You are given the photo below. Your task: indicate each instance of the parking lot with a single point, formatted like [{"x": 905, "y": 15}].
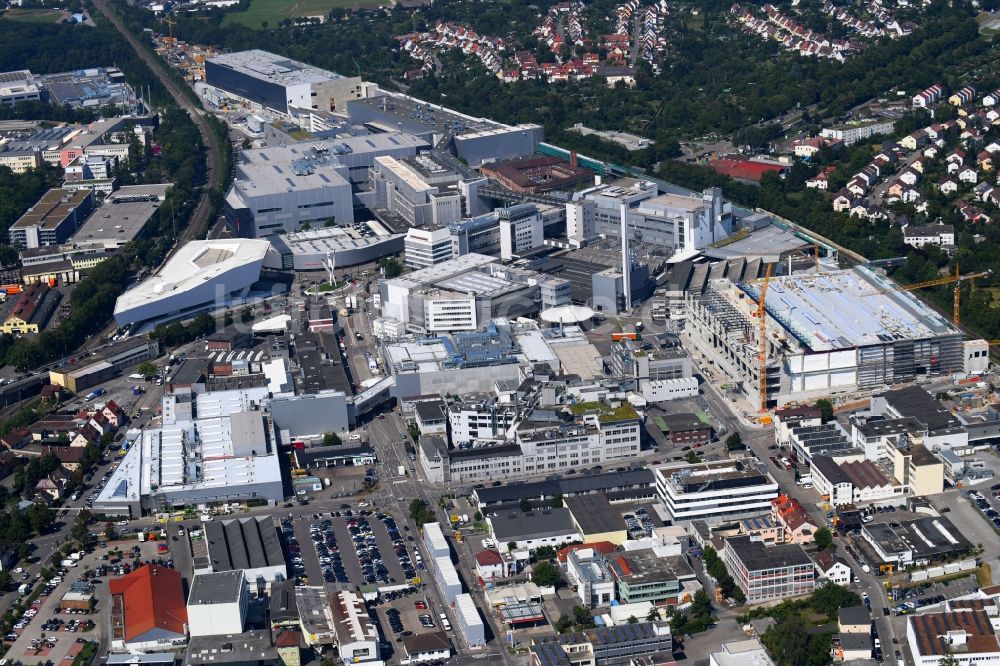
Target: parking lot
[
  {"x": 987, "y": 503},
  {"x": 46, "y": 633},
  {"x": 357, "y": 547}
]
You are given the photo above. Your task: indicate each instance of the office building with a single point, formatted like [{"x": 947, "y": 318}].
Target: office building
[
  {"x": 53, "y": 219},
  {"x": 506, "y": 232},
  {"x": 459, "y": 295},
  {"x": 19, "y": 86},
  {"x": 618, "y": 645},
  {"x": 588, "y": 573},
  {"x": 279, "y": 84},
  {"x": 822, "y": 337},
  {"x": 219, "y": 448},
  {"x": 421, "y": 190},
  {"x": 596, "y": 519},
  {"x": 647, "y": 575},
  {"x": 427, "y": 247},
  {"x": 217, "y": 604},
  {"x": 715, "y": 491},
  {"x": 200, "y": 275},
  {"x": 119, "y": 220},
  {"x": 279, "y": 189},
  {"x": 674, "y": 221},
  {"x": 765, "y": 573}
]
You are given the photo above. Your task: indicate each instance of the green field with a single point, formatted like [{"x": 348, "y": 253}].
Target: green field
[
  {"x": 34, "y": 15},
  {"x": 274, "y": 11}
]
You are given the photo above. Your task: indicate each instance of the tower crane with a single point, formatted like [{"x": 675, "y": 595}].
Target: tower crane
[
  {"x": 957, "y": 279},
  {"x": 170, "y": 26},
  {"x": 761, "y": 315}
]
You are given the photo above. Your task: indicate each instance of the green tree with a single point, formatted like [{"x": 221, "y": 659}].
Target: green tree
[
  {"x": 331, "y": 439},
  {"x": 823, "y": 538},
  {"x": 525, "y": 505},
  {"x": 948, "y": 660},
  {"x": 826, "y": 409},
  {"x": 557, "y": 501},
  {"x": 246, "y": 144},
  {"x": 5, "y": 579},
  {"x": 41, "y": 518},
  {"x": 511, "y": 546},
  {"x": 653, "y": 615},
  {"x": 391, "y": 267},
  {"x": 545, "y": 574},
  {"x": 735, "y": 441},
  {"x": 582, "y": 617},
  {"x": 632, "y": 619},
  {"x": 692, "y": 458}
]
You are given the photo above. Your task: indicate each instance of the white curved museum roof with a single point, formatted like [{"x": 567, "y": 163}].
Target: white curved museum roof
[{"x": 194, "y": 264}]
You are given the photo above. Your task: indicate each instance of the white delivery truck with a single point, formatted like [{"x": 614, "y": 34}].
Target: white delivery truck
[{"x": 401, "y": 471}]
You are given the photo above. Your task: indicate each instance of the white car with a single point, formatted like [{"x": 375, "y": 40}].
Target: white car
[{"x": 122, "y": 523}]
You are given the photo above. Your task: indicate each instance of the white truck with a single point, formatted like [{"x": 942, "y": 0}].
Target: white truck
[
  {"x": 23, "y": 589},
  {"x": 400, "y": 470}
]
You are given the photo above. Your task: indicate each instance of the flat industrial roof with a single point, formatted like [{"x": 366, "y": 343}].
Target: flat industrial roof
[
  {"x": 194, "y": 264},
  {"x": 221, "y": 587},
  {"x": 594, "y": 514},
  {"x": 274, "y": 68},
  {"x": 116, "y": 221},
  {"x": 849, "y": 308},
  {"x": 335, "y": 239}
]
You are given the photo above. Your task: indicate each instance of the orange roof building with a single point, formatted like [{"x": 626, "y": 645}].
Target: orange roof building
[
  {"x": 602, "y": 547},
  {"x": 148, "y": 608}
]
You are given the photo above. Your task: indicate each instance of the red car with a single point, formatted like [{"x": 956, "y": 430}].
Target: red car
[{"x": 420, "y": 605}]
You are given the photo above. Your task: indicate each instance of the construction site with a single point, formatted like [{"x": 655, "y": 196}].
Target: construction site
[{"x": 804, "y": 336}]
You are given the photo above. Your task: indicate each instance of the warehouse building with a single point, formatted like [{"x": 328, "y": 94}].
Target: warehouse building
[
  {"x": 200, "y": 275},
  {"x": 278, "y": 189},
  {"x": 596, "y": 519},
  {"x": 249, "y": 545},
  {"x": 828, "y": 333},
  {"x": 279, "y": 84},
  {"x": 357, "y": 637},
  {"x": 546, "y": 527},
  {"x": 147, "y": 610},
  {"x": 118, "y": 221},
  {"x": 219, "y": 448}
]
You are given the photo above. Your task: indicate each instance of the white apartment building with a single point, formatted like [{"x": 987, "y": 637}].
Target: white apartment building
[
  {"x": 713, "y": 491},
  {"x": 595, "y": 438},
  {"x": 853, "y": 133}
]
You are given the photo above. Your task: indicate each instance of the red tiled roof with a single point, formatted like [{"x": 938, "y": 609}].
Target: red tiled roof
[
  {"x": 930, "y": 632},
  {"x": 488, "y": 557},
  {"x": 602, "y": 547},
  {"x": 152, "y": 598},
  {"x": 288, "y": 638}
]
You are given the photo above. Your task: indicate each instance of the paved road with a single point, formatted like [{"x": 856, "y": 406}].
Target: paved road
[{"x": 199, "y": 221}]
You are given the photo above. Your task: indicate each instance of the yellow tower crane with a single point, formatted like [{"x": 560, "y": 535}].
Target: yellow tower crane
[
  {"x": 170, "y": 27},
  {"x": 762, "y": 338},
  {"x": 957, "y": 278}
]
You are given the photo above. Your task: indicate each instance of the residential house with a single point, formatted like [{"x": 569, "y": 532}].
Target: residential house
[
  {"x": 909, "y": 177},
  {"x": 832, "y": 568},
  {"x": 101, "y": 423},
  {"x": 114, "y": 414},
  {"x": 985, "y": 160},
  {"x": 857, "y": 187},
  {"x": 929, "y": 234},
  {"x": 489, "y": 565},
  {"x": 88, "y": 434},
  {"x": 947, "y": 185},
  {"x": 842, "y": 201},
  {"x": 968, "y": 175},
  {"x": 797, "y": 525},
  {"x": 51, "y": 486}
]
